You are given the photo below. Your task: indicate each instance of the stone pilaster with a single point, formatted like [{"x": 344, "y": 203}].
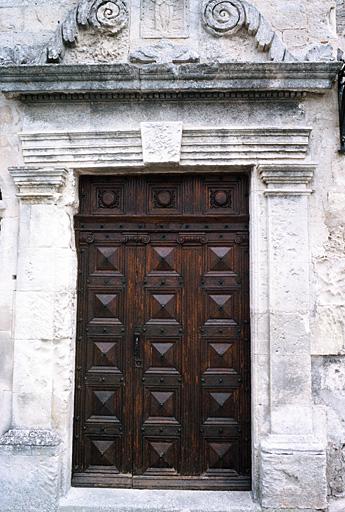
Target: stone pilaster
[
  {"x": 40, "y": 237},
  {"x": 293, "y": 464}
]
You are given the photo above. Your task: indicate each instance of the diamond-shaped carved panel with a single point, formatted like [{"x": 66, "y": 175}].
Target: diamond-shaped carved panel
[
  {"x": 104, "y": 353},
  {"x": 221, "y": 456},
  {"x": 106, "y": 306},
  {"x": 104, "y": 404},
  {"x": 163, "y": 306},
  {"x": 220, "y": 259},
  {"x": 107, "y": 259},
  {"x": 161, "y": 404},
  {"x": 161, "y": 456},
  {"x": 219, "y": 403},
  {"x": 220, "y": 306},
  {"x": 102, "y": 452},
  {"x": 163, "y": 259},
  {"x": 219, "y": 354},
  {"x": 162, "y": 355}
]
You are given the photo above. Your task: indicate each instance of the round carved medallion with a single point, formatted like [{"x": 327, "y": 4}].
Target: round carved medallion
[
  {"x": 108, "y": 199},
  {"x": 111, "y": 15},
  {"x": 164, "y": 198},
  {"x": 220, "y": 198},
  {"x": 223, "y": 17}
]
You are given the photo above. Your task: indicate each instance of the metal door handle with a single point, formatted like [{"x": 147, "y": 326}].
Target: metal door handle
[{"x": 137, "y": 345}]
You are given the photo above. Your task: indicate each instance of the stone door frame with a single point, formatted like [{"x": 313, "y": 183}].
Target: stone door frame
[{"x": 284, "y": 441}]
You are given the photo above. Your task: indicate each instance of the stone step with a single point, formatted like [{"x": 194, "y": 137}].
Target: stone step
[{"x": 135, "y": 500}]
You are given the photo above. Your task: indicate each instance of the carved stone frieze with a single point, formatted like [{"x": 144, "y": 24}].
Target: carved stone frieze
[
  {"x": 226, "y": 17},
  {"x": 162, "y": 53},
  {"x": 109, "y": 16},
  {"x": 164, "y": 18}
]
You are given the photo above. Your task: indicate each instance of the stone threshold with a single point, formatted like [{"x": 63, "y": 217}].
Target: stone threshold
[{"x": 137, "y": 500}]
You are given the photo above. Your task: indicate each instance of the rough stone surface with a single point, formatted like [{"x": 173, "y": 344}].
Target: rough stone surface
[
  {"x": 30, "y": 438},
  {"x": 293, "y": 477},
  {"x": 29, "y": 460}
]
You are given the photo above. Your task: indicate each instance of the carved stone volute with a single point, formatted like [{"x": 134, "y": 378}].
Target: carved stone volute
[{"x": 109, "y": 16}]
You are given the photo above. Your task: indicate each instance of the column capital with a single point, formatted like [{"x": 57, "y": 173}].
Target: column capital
[
  {"x": 287, "y": 179},
  {"x": 38, "y": 185}
]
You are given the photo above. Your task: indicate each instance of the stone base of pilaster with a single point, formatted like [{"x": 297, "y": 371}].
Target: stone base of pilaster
[
  {"x": 29, "y": 471},
  {"x": 293, "y": 473}
]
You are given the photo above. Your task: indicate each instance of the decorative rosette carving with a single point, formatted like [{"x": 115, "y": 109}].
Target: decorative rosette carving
[
  {"x": 223, "y": 16},
  {"x": 226, "y": 17}
]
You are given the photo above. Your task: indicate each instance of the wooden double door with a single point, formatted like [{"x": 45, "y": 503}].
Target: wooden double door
[{"x": 162, "y": 364}]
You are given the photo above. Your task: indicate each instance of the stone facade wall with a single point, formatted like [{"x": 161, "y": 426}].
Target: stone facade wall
[{"x": 25, "y": 28}]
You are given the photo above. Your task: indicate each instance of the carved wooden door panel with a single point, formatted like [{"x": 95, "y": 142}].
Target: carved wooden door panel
[{"x": 162, "y": 372}]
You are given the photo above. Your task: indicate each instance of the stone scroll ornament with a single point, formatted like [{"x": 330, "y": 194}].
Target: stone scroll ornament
[
  {"x": 226, "y": 17},
  {"x": 109, "y": 16}
]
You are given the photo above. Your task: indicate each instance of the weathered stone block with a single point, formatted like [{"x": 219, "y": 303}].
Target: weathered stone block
[
  {"x": 29, "y": 471},
  {"x": 293, "y": 474},
  {"x": 161, "y": 142}
]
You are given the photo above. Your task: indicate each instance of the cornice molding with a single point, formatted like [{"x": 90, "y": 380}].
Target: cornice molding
[
  {"x": 38, "y": 185},
  {"x": 287, "y": 179},
  {"x": 155, "y": 78},
  {"x": 165, "y": 96}
]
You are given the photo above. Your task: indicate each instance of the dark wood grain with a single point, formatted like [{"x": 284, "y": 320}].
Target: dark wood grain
[{"x": 163, "y": 363}]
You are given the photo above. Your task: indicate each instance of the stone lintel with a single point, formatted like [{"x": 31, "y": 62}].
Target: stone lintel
[
  {"x": 287, "y": 179},
  {"x": 232, "y": 76},
  {"x": 30, "y": 437},
  {"x": 37, "y": 185}
]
